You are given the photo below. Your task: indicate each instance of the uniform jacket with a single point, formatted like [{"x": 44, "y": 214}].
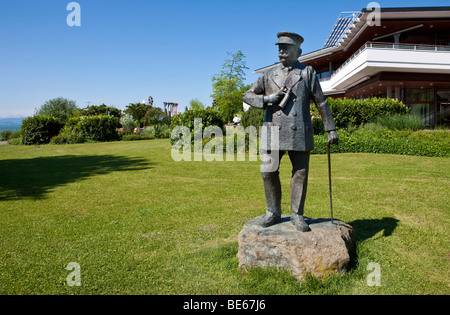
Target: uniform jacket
[{"x": 294, "y": 121}]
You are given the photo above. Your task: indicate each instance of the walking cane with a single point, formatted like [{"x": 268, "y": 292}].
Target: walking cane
[{"x": 329, "y": 179}]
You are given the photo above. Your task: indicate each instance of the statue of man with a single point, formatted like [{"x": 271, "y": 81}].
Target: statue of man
[{"x": 284, "y": 92}]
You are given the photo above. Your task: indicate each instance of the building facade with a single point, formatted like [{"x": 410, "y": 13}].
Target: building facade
[{"x": 401, "y": 53}]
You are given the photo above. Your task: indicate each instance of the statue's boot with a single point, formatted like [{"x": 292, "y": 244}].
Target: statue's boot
[
  {"x": 272, "y": 188},
  {"x": 298, "y": 194},
  {"x": 299, "y": 222}
]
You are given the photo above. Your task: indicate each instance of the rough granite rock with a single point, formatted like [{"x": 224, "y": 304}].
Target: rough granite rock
[{"x": 320, "y": 252}]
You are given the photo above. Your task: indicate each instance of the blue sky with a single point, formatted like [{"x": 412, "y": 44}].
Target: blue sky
[{"x": 125, "y": 51}]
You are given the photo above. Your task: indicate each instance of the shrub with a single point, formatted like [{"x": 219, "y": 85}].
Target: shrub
[
  {"x": 401, "y": 122},
  {"x": 10, "y": 136},
  {"x": 70, "y": 134},
  {"x": 75, "y": 137},
  {"x": 382, "y": 140},
  {"x": 88, "y": 128},
  {"x": 39, "y": 129},
  {"x": 373, "y": 139},
  {"x": 149, "y": 130},
  {"x": 133, "y": 137},
  {"x": 357, "y": 112},
  {"x": 5, "y": 134},
  {"x": 128, "y": 123},
  {"x": 316, "y": 120},
  {"x": 15, "y": 141},
  {"x": 59, "y": 139},
  {"x": 209, "y": 116},
  {"x": 72, "y": 122},
  {"x": 15, "y": 134},
  {"x": 157, "y": 131},
  {"x": 253, "y": 117},
  {"x": 162, "y": 131},
  {"x": 345, "y": 112},
  {"x": 98, "y": 128}
]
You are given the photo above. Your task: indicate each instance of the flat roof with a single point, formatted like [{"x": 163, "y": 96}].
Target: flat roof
[
  {"x": 410, "y": 9},
  {"x": 347, "y": 28}
]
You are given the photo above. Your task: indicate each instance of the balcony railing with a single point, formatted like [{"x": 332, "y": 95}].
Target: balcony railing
[{"x": 391, "y": 46}]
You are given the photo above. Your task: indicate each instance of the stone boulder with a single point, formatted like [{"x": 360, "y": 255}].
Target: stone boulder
[{"x": 320, "y": 252}]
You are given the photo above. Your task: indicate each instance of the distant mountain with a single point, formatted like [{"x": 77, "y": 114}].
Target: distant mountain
[
  {"x": 8, "y": 121},
  {"x": 11, "y": 123}
]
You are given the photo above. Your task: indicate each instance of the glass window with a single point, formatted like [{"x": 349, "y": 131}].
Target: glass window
[
  {"x": 424, "y": 110},
  {"x": 419, "y": 95},
  {"x": 421, "y": 102},
  {"x": 323, "y": 75},
  {"x": 443, "y": 107}
]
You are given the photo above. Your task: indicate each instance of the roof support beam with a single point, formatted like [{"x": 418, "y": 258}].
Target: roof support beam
[{"x": 399, "y": 32}]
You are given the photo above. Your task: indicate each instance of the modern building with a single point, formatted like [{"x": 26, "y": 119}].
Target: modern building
[{"x": 401, "y": 53}]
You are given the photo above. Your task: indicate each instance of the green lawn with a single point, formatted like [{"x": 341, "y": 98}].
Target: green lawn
[{"x": 139, "y": 223}]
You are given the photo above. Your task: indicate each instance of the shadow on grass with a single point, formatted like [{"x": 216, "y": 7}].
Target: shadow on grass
[
  {"x": 366, "y": 229},
  {"x": 33, "y": 178}
]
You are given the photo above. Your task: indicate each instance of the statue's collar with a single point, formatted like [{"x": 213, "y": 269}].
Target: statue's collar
[{"x": 295, "y": 65}]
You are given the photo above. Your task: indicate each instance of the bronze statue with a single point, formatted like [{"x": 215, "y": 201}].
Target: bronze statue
[{"x": 284, "y": 92}]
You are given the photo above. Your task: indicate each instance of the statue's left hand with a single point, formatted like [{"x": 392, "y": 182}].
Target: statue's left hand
[{"x": 333, "y": 137}]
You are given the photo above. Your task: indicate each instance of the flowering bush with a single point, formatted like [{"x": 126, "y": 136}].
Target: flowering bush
[{"x": 316, "y": 121}]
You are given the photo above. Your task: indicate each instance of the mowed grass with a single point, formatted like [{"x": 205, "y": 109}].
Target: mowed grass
[{"x": 139, "y": 223}]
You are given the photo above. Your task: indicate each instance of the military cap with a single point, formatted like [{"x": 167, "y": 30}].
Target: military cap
[{"x": 289, "y": 38}]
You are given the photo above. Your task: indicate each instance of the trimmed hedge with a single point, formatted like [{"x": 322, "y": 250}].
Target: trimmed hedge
[
  {"x": 255, "y": 117},
  {"x": 421, "y": 143},
  {"x": 99, "y": 128},
  {"x": 132, "y": 137},
  {"x": 39, "y": 129},
  {"x": 345, "y": 112}
]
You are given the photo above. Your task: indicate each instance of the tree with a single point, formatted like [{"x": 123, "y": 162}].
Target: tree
[
  {"x": 156, "y": 116},
  {"x": 196, "y": 104},
  {"x": 228, "y": 85},
  {"x": 60, "y": 108},
  {"x": 138, "y": 111},
  {"x": 95, "y": 110}
]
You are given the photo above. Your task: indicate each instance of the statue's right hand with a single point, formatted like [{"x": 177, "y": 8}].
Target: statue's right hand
[{"x": 274, "y": 98}]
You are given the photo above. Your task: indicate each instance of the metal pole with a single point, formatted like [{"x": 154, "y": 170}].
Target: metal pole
[{"x": 329, "y": 179}]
